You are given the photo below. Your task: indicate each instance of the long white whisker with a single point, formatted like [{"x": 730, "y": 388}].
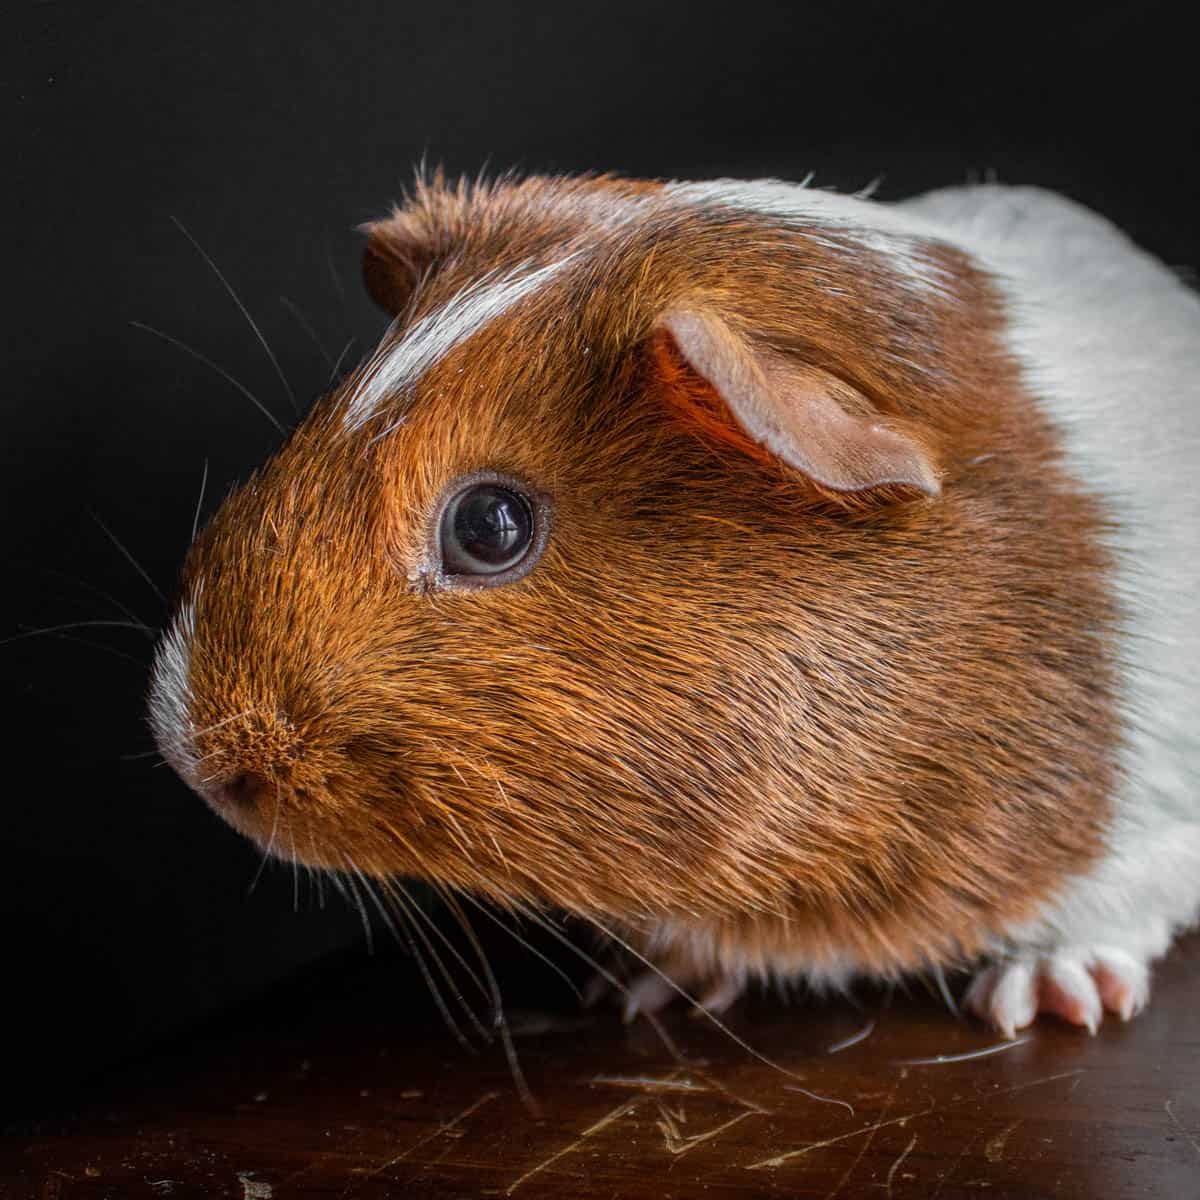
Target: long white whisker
[
  {"x": 66, "y": 637},
  {"x": 208, "y": 362},
  {"x": 200, "y": 501},
  {"x": 295, "y": 873},
  {"x": 434, "y": 991},
  {"x": 287, "y": 387},
  {"x": 408, "y": 910},
  {"x": 501, "y": 1023},
  {"x": 306, "y": 325},
  {"x": 320, "y": 874},
  {"x": 943, "y": 989},
  {"x": 527, "y": 945},
  {"x": 262, "y": 862},
  {"x": 337, "y": 279},
  {"x": 68, "y": 625},
  {"x": 91, "y": 587},
  {"x": 362, "y": 911},
  {"x": 337, "y": 366},
  {"x": 417, "y": 914},
  {"x": 133, "y": 562}
]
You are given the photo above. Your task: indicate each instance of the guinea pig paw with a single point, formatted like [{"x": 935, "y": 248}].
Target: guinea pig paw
[
  {"x": 1079, "y": 985},
  {"x": 651, "y": 992},
  {"x": 720, "y": 995},
  {"x": 648, "y": 993}
]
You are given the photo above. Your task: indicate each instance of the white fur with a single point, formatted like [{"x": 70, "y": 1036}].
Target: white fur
[
  {"x": 1109, "y": 340},
  {"x": 398, "y": 365},
  {"x": 901, "y": 242},
  {"x": 171, "y": 693}
]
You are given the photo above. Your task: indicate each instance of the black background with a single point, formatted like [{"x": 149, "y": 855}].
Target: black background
[{"x": 269, "y": 130}]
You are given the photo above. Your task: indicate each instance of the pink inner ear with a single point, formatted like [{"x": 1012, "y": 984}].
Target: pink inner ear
[{"x": 802, "y": 415}]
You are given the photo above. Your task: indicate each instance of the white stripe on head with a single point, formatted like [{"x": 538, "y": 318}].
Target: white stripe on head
[
  {"x": 395, "y": 369},
  {"x": 899, "y": 238},
  {"x": 171, "y": 697}
]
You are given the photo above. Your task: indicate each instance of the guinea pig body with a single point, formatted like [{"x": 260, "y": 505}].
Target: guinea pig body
[{"x": 794, "y": 585}]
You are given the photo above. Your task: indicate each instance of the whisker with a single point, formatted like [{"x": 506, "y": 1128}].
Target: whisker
[
  {"x": 319, "y": 876},
  {"x": 67, "y": 625},
  {"x": 413, "y": 907},
  {"x": 527, "y": 945},
  {"x": 306, "y": 325},
  {"x": 434, "y": 991},
  {"x": 295, "y": 874},
  {"x": 408, "y": 910},
  {"x": 200, "y": 501},
  {"x": 500, "y": 1022},
  {"x": 943, "y": 988},
  {"x": 262, "y": 862},
  {"x": 133, "y": 562},
  {"x": 337, "y": 279},
  {"x": 287, "y": 387},
  {"x": 389, "y": 430},
  {"x": 608, "y": 977},
  {"x": 64, "y": 637},
  {"x": 208, "y": 362},
  {"x": 91, "y": 587},
  {"x": 337, "y": 366},
  {"x": 712, "y": 1017},
  {"x": 362, "y": 912}
]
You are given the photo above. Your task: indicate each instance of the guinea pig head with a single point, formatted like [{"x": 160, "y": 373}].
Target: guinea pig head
[{"x": 623, "y": 574}]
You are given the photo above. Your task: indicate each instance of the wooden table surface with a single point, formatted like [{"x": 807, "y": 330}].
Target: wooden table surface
[{"x": 345, "y": 1084}]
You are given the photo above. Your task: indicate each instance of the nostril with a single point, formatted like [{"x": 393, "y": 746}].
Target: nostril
[{"x": 245, "y": 790}]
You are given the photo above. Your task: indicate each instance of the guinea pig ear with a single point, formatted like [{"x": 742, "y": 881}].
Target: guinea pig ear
[
  {"x": 785, "y": 410},
  {"x": 397, "y": 256}
]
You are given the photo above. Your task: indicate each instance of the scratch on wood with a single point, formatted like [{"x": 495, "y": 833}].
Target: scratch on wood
[
  {"x": 1195, "y": 1144},
  {"x": 647, "y": 1083},
  {"x": 444, "y": 1128},
  {"x": 891, "y": 1175},
  {"x": 994, "y": 1150},
  {"x": 254, "y": 1189},
  {"x": 671, "y": 1083},
  {"x": 615, "y": 1115},
  {"x": 950, "y": 1172},
  {"x": 678, "y": 1145},
  {"x": 866, "y": 1145},
  {"x": 749, "y": 1105},
  {"x": 779, "y": 1159}
]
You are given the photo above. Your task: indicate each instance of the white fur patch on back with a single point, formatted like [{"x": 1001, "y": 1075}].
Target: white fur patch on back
[
  {"x": 171, "y": 693},
  {"x": 903, "y": 242},
  {"x": 397, "y": 366},
  {"x": 1109, "y": 342}
]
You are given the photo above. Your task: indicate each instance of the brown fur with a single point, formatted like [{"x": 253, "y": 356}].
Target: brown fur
[{"x": 815, "y": 726}]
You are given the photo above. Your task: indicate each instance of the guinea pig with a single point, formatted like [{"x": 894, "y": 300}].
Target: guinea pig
[{"x": 799, "y": 587}]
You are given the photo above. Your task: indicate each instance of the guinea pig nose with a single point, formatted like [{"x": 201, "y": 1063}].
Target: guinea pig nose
[{"x": 244, "y": 791}]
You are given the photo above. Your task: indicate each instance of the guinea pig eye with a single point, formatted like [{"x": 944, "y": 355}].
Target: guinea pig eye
[{"x": 486, "y": 531}]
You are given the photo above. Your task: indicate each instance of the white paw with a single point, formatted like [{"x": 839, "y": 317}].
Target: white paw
[
  {"x": 1074, "y": 983},
  {"x": 650, "y": 992}
]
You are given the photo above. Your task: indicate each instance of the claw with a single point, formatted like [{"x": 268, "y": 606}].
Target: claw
[{"x": 1077, "y": 985}]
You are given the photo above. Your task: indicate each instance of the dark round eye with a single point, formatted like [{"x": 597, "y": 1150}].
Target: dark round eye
[{"x": 486, "y": 529}]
